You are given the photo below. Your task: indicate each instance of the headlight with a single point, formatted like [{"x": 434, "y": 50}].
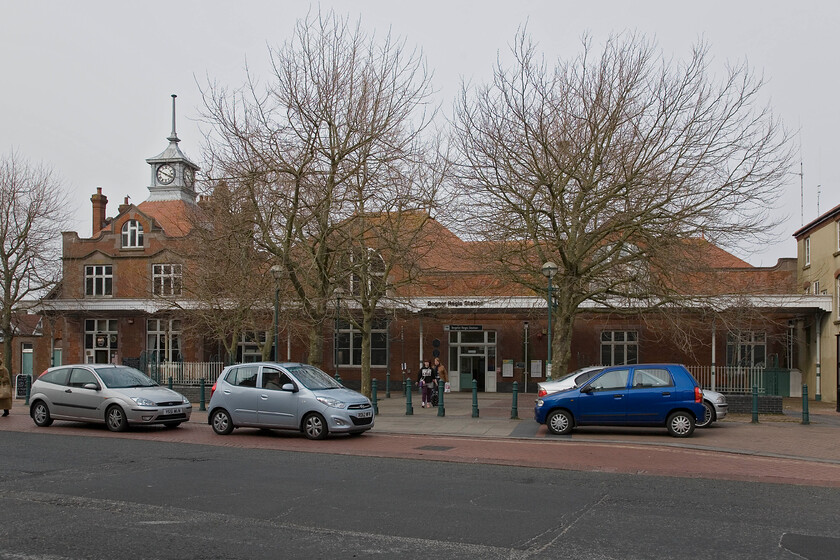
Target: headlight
[
  {"x": 539, "y": 402},
  {"x": 185, "y": 400},
  {"x": 721, "y": 399},
  {"x": 143, "y": 402},
  {"x": 334, "y": 403}
]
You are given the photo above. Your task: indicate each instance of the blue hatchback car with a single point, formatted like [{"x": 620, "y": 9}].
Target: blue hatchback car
[{"x": 631, "y": 395}]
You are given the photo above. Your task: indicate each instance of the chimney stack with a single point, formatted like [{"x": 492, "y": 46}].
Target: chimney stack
[
  {"x": 99, "y": 201},
  {"x": 124, "y": 206}
]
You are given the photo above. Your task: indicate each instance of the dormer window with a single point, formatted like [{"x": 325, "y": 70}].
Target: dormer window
[{"x": 132, "y": 235}]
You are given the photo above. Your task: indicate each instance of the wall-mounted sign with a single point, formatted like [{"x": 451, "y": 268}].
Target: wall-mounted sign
[
  {"x": 455, "y": 303},
  {"x": 463, "y": 328}
]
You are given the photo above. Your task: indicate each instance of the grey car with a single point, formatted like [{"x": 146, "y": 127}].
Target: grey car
[
  {"x": 715, "y": 408},
  {"x": 288, "y": 396},
  {"x": 117, "y": 396}
]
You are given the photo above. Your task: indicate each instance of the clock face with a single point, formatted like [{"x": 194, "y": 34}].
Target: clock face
[
  {"x": 189, "y": 176},
  {"x": 165, "y": 174}
]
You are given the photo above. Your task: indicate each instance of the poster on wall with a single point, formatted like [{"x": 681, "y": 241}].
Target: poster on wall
[
  {"x": 536, "y": 368},
  {"x": 507, "y": 368}
]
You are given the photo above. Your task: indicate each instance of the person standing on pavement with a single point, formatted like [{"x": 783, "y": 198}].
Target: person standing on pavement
[
  {"x": 5, "y": 389},
  {"x": 441, "y": 373},
  {"x": 426, "y": 380}
]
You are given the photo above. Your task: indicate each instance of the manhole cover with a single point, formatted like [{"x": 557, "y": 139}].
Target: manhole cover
[{"x": 435, "y": 448}]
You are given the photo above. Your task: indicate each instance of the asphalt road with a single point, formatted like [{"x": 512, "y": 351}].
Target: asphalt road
[{"x": 74, "y": 496}]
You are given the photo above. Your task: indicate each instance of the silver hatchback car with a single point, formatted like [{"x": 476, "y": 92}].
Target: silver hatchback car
[
  {"x": 288, "y": 396},
  {"x": 104, "y": 393}
]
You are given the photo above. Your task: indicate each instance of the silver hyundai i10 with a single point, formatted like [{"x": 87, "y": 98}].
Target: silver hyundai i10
[{"x": 288, "y": 396}]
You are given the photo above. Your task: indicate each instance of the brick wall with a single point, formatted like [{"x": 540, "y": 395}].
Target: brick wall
[{"x": 742, "y": 404}]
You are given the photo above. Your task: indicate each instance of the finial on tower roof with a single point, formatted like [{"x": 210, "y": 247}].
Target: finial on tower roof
[{"x": 174, "y": 136}]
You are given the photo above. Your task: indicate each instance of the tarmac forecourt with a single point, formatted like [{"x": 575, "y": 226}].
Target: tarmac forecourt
[{"x": 779, "y": 448}]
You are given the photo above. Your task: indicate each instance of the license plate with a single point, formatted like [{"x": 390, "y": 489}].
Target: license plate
[
  {"x": 171, "y": 410},
  {"x": 365, "y": 414}
]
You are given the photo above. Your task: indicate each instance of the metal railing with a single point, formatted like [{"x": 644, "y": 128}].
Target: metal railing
[
  {"x": 184, "y": 373},
  {"x": 729, "y": 379}
]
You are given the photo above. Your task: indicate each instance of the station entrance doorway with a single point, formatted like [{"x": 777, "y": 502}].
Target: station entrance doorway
[{"x": 472, "y": 355}]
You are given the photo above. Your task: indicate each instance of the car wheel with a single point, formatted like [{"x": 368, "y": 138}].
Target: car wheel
[
  {"x": 314, "y": 426},
  {"x": 172, "y": 424},
  {"x": 115, "y": 419},
  {"x": 681, "y": 424},
  {"x": 40, "y": 413},
  {"x": 708, "y": 415},
  {"x": 559, "y": 422},
  {"x": 222, "y": 424}
]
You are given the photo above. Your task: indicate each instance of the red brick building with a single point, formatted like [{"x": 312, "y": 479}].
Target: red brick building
[{"x": 112, "y": 306}]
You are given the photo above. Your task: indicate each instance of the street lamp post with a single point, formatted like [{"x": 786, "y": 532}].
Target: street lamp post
[
  {"x": 278, "y": 273},
  {"x": 339, "y": 292},
  {"x": 549, "y": 269}
]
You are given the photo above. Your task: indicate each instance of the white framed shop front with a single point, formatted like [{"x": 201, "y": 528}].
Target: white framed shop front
[{"x": 472, "y": 355}]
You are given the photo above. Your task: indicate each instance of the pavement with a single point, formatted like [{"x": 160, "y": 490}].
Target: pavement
[{"x": 778, "y": 449}]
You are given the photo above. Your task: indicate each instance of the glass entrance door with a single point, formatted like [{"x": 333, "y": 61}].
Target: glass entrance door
[{"x": 471, "y": 367}]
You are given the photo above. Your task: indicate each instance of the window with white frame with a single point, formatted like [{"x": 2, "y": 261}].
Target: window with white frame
[
  {"x": 373, "y": 267},
  {"x": 746, "y": 349},
  {"x": 132, "y": 234},
  {"x": 163, "y": 340},
  {"x": 348, "y": 343},
  {"x": 250, "y": 347},
  {"x": 101, "y": 334},
  {"x": 837, "y": 296},
  {"x": 619, "y": 348},
  {"x": 166, "y": 279},
  {"x": 99, "y": 280},
  {"x": 807, "y": 244}
]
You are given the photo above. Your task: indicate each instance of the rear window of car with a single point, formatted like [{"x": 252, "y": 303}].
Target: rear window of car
[
  {"x": 57, "y": 376},
  {"x": 244, "y": 376},
  {"x": 652, "y": 377}
]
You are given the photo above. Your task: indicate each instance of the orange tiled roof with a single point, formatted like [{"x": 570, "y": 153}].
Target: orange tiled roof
[{"x": 173, "y": 216}]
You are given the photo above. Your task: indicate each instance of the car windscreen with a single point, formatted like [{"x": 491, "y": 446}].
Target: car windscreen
[
  {"x": 123, "y": 377},
  {"x": 313, "y": 378}
]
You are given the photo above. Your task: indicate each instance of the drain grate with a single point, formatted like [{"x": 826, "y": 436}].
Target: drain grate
[{"x": 435, "y": 448}]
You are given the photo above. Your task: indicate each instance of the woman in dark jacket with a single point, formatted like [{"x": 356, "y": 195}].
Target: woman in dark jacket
[{"x": 426, "y": 380}]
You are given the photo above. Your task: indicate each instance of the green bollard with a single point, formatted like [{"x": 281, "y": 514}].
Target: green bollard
[
  {"x": 755, "y": 405},
  {"x": 409, "y": 410},
  {"x": 441, "y": 410},
  {"x": 337, "y": 377},
  {"x": 170, "y": 383},
  {"x": 514, "y": 409},
  {"x": 806, "y": 419},
  {"x": 201, "y": 396},
  {"x": 373, "y": 397},
  {"x": 475, "y": 399},
  {"x": 388, "y": 384}
]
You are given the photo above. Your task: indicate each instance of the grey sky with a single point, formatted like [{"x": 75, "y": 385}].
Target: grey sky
[{"x": 86, "y": 84}]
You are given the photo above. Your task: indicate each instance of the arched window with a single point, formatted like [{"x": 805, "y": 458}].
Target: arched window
[{"x": 132, "y": 234}]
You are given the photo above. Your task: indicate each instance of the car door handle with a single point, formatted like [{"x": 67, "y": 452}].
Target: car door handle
[
  {"x": 618, "y": 396},
  {"x": 68, "y": 390},
  {"x": 264, "y": 397},
  {"x": 666, "y": 394}
]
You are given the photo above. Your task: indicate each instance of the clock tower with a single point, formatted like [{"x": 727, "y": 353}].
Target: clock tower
[{"x": 173, "y": 174}]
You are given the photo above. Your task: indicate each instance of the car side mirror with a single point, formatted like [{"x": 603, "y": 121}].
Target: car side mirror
[
  {"x": 587, "y": 389},
  {"x": 92, "y": 386},
  {"x": 290, "y": 387}
]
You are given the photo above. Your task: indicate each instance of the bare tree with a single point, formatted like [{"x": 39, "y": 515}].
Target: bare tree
[
  {"x": 33, "y": 212},
  {"x": 607, "y": 165},
  {"x": 334, "y": 135}
]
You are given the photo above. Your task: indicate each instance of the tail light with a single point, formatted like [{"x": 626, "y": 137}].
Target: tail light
[
  {"x": 698, "y": 395},
  {"x": 212, "y": 390},
  {"x": 542, "y": 392}
]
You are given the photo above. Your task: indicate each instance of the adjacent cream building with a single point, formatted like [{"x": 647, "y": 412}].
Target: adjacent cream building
[{"x": 818, "y": 272}]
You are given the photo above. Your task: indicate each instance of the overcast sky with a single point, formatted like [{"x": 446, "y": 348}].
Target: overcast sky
[{"x": 86, "y": 85}]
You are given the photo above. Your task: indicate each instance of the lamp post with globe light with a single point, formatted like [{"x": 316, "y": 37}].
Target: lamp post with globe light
[{"x": 549, "y": 269}]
